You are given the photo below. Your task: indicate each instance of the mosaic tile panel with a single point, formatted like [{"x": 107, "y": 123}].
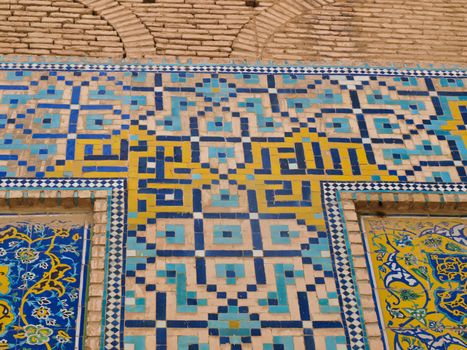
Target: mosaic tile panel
[
  {"x": 340, "y": 245},
  {"x": 419, "y": 269},
  {"x": 66, "y": 249},
  {"x": 43, "y": 280},
  {"x": 227, "y": 244}
]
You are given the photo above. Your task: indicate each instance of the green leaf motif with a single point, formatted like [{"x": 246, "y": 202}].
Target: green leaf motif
[
  {"x": 410, "y": 259},
  {"x": 381, "y": 248},
  {"x": 453, "y": 247},
  {"x": 418, "y": 314},
  {"x": 408, "y": 294},
  {"x": 421, "y": 271},
  {"x": 433, "y": 242}
]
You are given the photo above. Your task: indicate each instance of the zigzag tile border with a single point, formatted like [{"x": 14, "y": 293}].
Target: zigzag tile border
[
  {"x": 227, "y": 68},
  {"x": 340, "y": 250},
  {"x": 112, "y": 325}
]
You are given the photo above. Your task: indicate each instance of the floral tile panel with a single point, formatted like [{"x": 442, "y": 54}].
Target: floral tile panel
[
  {"x": 43, "y": 275},
  {"x": 419, "y": 276}
]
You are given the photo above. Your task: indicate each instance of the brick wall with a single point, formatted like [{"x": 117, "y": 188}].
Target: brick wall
[
  {"x": 43, "y": 27},
  {"x": 354, "y": 32},
  {"x": 396, "y": 30}
]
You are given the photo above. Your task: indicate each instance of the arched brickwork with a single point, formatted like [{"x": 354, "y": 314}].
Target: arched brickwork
[
  {"x": 46, "y": 27},
  {"x": 136, "y": 38},
  {"x": 358, "y": 31},
  {"x": 255, "y": 35},
  {"x": 378, "y": 32},
  {"x": 368, "y": 30},
  {"x": 193, "y": 28}
]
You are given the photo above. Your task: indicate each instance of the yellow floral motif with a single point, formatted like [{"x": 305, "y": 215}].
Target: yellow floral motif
[
  {"x": 420, "y": 279},
  {"x": 36, "y": 334},
  {"x": 4, "y": 282},
  {"x": 12, "y": 233},
  {"x": 63, "y": 337},
  {"x": 69, "y": 279},
  {"x": 41, "y": 312},
  {"x": 51, "y": 279},
  {"x": 27, "y": 255},
  {"x": 6, "y": 315},
  {"x": 60, "y": 232}
]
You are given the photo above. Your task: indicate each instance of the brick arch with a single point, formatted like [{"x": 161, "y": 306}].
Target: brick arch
[
  {"x": 357, "y": 32},
  {"x": 56, "y": 28},
  {"x": 135, "y": 36},
  {"x": 255, "y": 35},
  {"x": 362, "y": 31}
]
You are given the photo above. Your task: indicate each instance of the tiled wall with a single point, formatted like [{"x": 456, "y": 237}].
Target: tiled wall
[{"x": 227, "y": 244}]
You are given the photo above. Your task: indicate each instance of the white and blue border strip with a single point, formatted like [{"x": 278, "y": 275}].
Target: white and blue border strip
[
  {"x": 234, "y": 68},
  {"x": 112, "y": 322},
  {"x": 340, "y": 250}
]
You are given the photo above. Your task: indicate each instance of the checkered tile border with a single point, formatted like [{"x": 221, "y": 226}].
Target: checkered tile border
[
  {"x": 340, "y": 249},
  {"x": 232, "y": 68}
]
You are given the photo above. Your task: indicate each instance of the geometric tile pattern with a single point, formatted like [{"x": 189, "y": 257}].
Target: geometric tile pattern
[{"x": 227, "y": 239}]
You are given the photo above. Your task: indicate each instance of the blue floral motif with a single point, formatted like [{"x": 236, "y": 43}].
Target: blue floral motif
[
  {"x": 452, "y": 269},
  {"x": 41, "y": 269},
  {"x": 404, "y": 241}
]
